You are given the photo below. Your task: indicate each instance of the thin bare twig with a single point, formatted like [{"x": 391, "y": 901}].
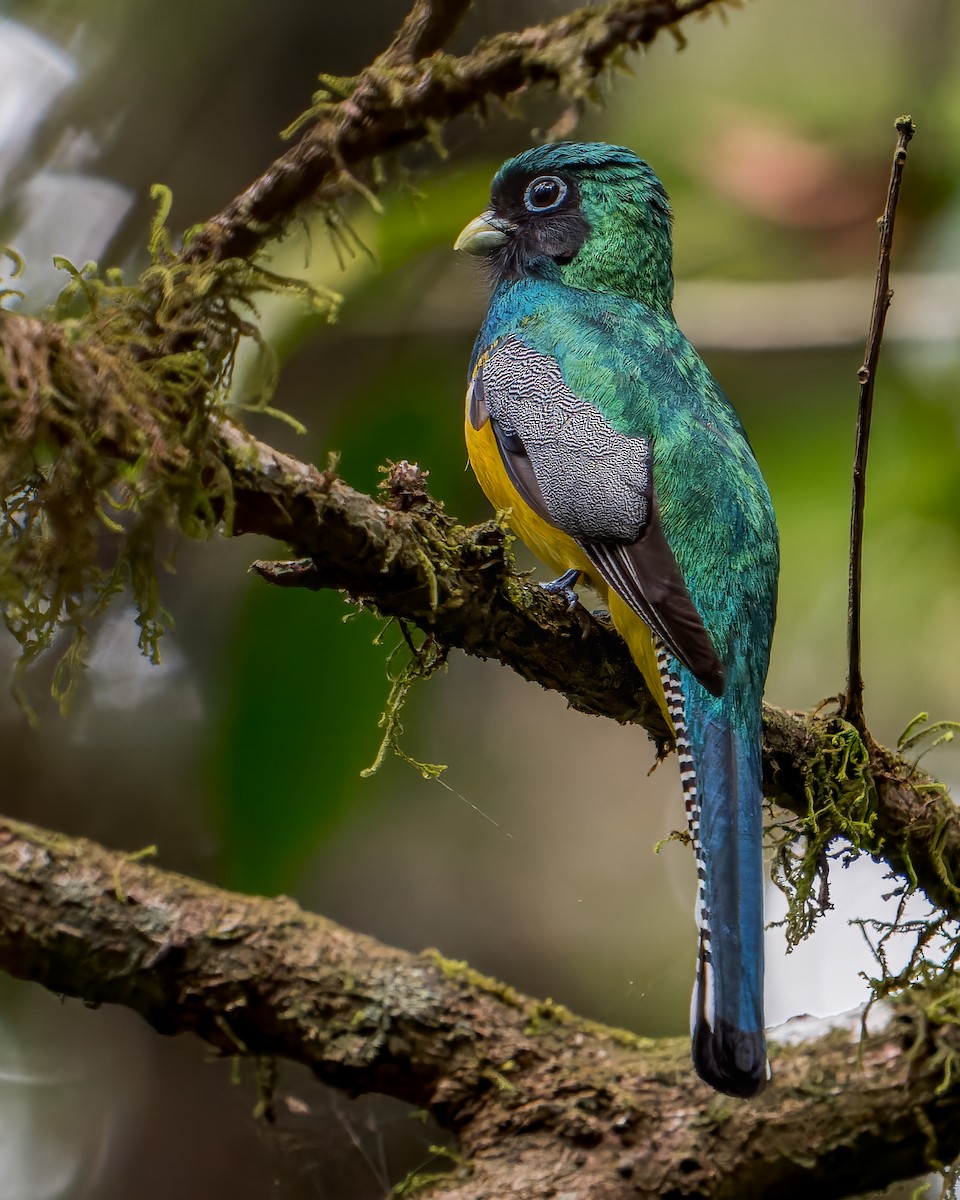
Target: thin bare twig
[{"x": 852, "y": 707}]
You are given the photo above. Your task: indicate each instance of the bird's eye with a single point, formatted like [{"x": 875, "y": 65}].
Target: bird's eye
[{"x": 545, "y": 193}]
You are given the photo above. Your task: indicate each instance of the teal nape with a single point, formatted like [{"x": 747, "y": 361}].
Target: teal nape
[{"x": 592, "y": 419}]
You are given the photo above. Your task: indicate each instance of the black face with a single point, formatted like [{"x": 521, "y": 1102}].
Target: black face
[{"x": 548, "y": 223}]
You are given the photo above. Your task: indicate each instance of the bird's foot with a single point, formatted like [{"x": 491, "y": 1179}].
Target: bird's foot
[{"x": 564, "y": 587}]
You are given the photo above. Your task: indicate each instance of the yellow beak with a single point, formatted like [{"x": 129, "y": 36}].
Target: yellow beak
[{"x": 484, "y": 234}]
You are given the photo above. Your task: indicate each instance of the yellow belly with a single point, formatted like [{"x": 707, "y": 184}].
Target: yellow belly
[{"x": 558, "y": 550}]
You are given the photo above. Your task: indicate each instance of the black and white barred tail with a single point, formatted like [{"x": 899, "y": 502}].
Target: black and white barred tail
[{"x": 720, "y": 777}]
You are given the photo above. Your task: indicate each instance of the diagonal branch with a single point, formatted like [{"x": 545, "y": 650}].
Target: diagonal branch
[
  {"x": 409, "y": 92},
  {"x": 412, "y": 561},
  {"x": 427, "y": 27},
  {"x": 407, "y": 557},
  {"x": 541, "y": 1101}
]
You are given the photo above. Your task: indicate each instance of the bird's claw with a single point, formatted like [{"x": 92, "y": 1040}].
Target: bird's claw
[{"x": 564, "y": 587}]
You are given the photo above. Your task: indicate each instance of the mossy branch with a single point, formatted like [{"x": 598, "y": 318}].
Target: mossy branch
[
  {"x": 107, "y": 409},
  {"x": 542, "y": 1102},
  {"x": 413, "y": 89},
  {"x": 815, "y": 765}
]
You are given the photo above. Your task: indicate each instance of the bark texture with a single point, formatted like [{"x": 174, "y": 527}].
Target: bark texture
[
  {"x": 405, "y": 555},
  {"x": 543, "y": 1103}
]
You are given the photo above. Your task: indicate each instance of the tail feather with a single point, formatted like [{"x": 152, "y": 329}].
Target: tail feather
[{"x": 721, "y": 779}]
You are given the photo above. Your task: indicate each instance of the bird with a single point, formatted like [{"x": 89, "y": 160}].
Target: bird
[{"x": 595, "y": 426}]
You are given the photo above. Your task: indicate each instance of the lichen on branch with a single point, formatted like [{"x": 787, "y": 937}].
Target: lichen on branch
[{"x": 540, "y": 1100}]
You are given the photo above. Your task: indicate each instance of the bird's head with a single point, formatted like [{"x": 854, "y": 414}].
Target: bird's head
[{"x": 586, "y": 214}]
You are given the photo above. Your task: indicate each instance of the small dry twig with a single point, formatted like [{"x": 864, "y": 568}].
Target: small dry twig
[{"x": 852, "y": 704}]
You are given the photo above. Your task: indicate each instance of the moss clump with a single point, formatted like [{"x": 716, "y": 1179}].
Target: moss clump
[
  {"x": 108, "y": 437},
  {"x": 910, "y": 951},
  {"x": 542, "y": 1015},
  {"x": 841, "y": 803}
]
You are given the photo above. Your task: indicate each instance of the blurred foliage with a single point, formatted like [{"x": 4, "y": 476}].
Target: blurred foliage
[{"x": 304, "y": 682}]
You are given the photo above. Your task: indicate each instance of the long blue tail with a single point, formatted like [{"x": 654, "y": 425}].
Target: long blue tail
[{"x": 720, "y": 769}]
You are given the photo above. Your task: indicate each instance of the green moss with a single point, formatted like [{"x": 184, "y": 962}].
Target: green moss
[
  {"x": 921, "y": 732},
  {"x": 266, "y": 1081},
  {"x": 332, "y": 91},
  {"x": 719, "y": 1110},
  {"x": 452, "y": 968},
  {"x": 841, "y": 803},
  {"x": 543, "y": 1015},
  {"x": 933, "y": 958},
  {"x": 622, "y": 1037},
  {"x": 919, "y": 738},
  {"x": 223, "y": 1025},
  {"x": 424, "y": 661},
  {"x": 498, "y": 1078},
  {"x": 108, "y": 412},
  {"x": 420, "y": 1180},
  {"x": 133, "y": 857}
]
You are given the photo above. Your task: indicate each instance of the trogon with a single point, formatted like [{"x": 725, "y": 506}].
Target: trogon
[{"x": 594, "y": 424}]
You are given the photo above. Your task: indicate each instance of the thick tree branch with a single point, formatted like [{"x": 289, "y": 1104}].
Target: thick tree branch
[
  {"x": 540, "y": 1100},
  {"x": 412, "y": 561}
]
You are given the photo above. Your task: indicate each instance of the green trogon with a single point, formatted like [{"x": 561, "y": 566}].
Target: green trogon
[{"x": 594, "y": 423}]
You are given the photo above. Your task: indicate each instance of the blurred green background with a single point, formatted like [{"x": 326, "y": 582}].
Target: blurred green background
[{"x": 240, "y": 756}]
